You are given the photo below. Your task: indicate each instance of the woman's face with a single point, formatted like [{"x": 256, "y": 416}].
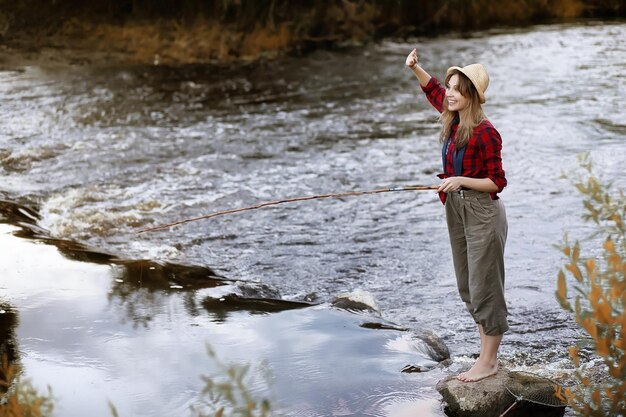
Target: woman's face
[{"x": 456, "y": 101}]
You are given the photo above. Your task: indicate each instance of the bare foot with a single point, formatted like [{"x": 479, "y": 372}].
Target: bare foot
[{"x": 480, "y": 370}]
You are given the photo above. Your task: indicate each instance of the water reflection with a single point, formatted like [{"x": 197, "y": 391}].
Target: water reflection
[
  {"x": 219, "y": 308},
  {"x": 9, "y": 352},
  {"x": 73, "y": 340},
  {"x": 141, "y": 289}
]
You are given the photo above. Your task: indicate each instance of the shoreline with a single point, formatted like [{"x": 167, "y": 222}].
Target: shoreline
[
  {"x": 235, "y": 33},
  {"x": 82, "y": 50}
]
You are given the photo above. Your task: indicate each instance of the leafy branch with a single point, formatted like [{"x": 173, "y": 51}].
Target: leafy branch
[{"x": 600, "y": 301}]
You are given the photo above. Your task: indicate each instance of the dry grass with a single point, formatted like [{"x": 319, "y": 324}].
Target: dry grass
[
  {"x": 20, "y": 398},
  {"x": 171, "y": 42},
  {"x": 195, "y": 31}
]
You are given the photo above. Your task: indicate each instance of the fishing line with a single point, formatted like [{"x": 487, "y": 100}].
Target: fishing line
[{"x": 292, "y": 200}]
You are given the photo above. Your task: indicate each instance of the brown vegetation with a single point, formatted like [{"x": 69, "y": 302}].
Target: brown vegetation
[
  {"x": 20, "y": 398},
  {"x": 600, "y": 306},
  {"x": 194, "y": 31}
]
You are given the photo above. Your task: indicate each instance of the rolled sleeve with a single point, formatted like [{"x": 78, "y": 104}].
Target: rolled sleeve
[
  {"x": 432, "y": 84},
  {"x": 435, "y": 93},
  {"x": 491, "y": 147}
]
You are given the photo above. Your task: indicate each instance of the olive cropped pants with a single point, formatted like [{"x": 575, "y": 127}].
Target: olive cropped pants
[{"x": 477, "y": 226}]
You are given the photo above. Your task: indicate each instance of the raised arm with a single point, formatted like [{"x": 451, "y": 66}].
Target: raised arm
[
  {"x": 412, "y": 63},
  {"x": 435, "y": 93}
]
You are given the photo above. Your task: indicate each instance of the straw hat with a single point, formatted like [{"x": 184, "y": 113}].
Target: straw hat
[{"x": 477, "y": 75}]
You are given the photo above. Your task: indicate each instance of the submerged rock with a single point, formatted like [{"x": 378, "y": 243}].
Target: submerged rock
[
  {"x": 234, "y": 302},
  {"x": 357, "y": 300},
  {"x": 249, "y": 296},
  {"x": 256, "y": 290},
  {"x": 490, "y": 397}
]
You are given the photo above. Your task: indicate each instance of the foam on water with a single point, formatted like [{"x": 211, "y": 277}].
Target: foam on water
[
  {"x": 408, "y": 344},
  {"x": 79, "y": 213}
]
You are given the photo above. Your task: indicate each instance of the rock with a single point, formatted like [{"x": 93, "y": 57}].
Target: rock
[
  {"x": 490, "y": 397},
  {"x": 428, "y": 340},
  {"x": 438, "y": 349},
  {"x": 256, "y": 290},
  {"x": 311, "y": 297},
  {"x": 234, "y": 302},
  {"x": 409, "y": 343},
  {"x": 409, "y": 369},
  {"x": 357, "y": 300},
  {"x": 379, "y": 325}
]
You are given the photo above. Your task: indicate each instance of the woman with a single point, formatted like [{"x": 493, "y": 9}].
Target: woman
[{"x": 472, "y": 178}]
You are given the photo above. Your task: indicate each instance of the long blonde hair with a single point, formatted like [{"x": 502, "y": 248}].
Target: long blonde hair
[{"x": 469, "y": 119}]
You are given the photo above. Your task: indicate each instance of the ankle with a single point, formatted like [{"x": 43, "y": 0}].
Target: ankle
[{"x": 490, "y": 362}]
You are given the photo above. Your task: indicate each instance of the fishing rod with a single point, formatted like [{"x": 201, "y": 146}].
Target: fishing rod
[{"x": 292, "y": 200}]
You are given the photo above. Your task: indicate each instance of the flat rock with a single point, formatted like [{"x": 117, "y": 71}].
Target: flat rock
[{"x": 490, "y": 397}]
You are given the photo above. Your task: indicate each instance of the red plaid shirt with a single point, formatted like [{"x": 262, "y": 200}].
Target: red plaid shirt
[{"x": 482, "y": 153}]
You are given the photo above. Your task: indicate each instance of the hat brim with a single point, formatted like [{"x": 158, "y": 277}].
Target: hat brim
[{"x": 481, "y": 95}]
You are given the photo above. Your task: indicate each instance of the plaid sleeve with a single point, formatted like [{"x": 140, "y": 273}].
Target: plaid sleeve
[
  {"x": 435, "y": 93},
  {"x": 490, "y": 144}
]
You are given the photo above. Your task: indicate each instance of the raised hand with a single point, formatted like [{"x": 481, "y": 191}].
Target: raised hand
[{"x": 411, "y": 59}]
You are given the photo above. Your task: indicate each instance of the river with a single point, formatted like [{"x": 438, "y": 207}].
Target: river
[{"x": 92, "y": 154}]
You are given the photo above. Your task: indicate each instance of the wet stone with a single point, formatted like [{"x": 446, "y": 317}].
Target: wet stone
[
  {"x": 438, "y": 349},
  {"x": 409, "y": 369},
  {"x": 357, "y": 300},
  {"x": 257, "y": 290},
  {"x": 490, "y": 397}
]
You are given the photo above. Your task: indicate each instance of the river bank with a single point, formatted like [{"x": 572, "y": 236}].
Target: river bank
[{"x": 194, "y": 32}]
